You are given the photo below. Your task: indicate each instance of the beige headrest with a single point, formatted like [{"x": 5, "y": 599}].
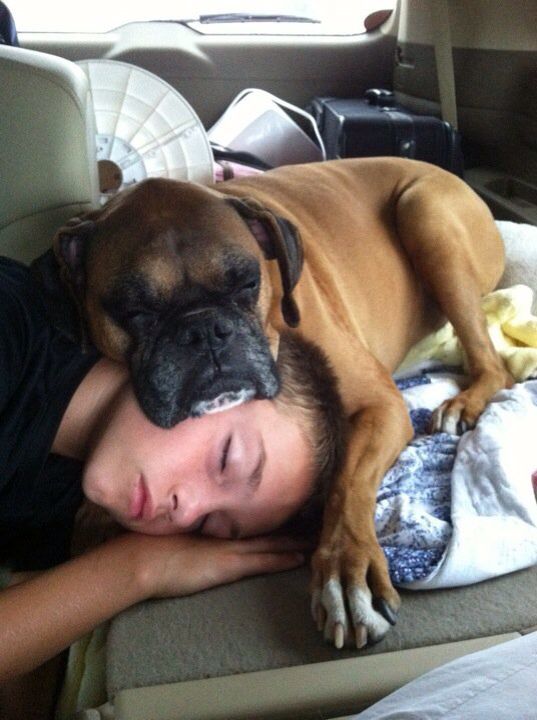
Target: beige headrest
[{"x": 48, "y": 170}]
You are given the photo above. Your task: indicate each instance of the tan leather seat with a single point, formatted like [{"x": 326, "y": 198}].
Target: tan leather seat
[{"x": 48, "y": 168}]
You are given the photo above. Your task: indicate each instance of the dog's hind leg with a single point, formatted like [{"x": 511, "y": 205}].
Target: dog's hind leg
[{"x": 454, "y": 245}]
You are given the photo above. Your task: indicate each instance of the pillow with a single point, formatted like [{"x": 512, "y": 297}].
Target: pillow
[{"x": 521, "y": 256}]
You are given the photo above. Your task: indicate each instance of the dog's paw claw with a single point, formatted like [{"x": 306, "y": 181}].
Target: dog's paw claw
[
  {"x": 462, "y": 427},
  {"x": 363, "y": 612},
  {"x": 339, "y": 635},
  {"x": 353, "y": 600},
  {"x": 360, "y": 636},
  {"x": 388, "y": 613}
]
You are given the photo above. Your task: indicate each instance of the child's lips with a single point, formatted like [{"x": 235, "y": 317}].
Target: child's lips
[{"x": 140, "y": 505}]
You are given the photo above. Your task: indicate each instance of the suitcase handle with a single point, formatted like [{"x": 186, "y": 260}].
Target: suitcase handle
[
  {"x": 379, "y": 96},
  {"x": 402, "y": 132}
]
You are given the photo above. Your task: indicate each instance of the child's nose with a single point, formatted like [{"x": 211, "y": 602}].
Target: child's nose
[{"x": 189, "y": 509}]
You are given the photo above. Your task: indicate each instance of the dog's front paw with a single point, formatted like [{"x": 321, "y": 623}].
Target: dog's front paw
[
  {"x": 461, "y": 413},
  {"x": 353, "y": 600}
]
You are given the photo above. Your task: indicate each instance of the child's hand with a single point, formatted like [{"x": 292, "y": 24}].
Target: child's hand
[{"x": 175, "y": 565}]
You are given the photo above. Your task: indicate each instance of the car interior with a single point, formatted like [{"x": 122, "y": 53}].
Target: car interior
[{"x": 250, "y": 649}]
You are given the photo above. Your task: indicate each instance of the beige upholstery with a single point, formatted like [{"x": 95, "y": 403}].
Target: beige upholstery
[{"x": 48, "y": 168}]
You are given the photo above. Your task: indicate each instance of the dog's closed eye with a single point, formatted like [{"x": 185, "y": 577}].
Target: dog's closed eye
[
  {"x": 138, "y": 319},
  {"x": 248, "y": 290},
  {"x": 138, "y": 314},
  {"x": 250, "y": 285}
]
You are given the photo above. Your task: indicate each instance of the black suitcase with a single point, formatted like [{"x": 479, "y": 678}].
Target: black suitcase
[{"x": 376, "y": 125}]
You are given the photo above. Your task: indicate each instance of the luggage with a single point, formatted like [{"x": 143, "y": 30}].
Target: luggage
[
  {"x": 264, "y": 125},
  {"x": 376, "y": 126}
]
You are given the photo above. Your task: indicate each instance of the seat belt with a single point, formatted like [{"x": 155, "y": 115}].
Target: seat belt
[{"x": 443, "y": 52}]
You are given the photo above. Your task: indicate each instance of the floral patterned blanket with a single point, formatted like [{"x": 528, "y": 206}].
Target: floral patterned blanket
[{"x": 454, "y": 511}]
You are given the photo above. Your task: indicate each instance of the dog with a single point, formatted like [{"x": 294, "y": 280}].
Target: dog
[{"x": 195, "y": 286}]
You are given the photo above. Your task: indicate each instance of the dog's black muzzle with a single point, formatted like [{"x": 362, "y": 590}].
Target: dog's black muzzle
[{"x": 201, "y": 361}]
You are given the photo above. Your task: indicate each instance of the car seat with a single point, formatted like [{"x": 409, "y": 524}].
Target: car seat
[{"x": 47, "y": 156}]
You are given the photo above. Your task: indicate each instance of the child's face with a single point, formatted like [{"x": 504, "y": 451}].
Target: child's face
[{"x": 236, "y": 473}]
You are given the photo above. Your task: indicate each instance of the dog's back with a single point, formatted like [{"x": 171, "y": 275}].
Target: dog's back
[{"x": 357, "y": 277}]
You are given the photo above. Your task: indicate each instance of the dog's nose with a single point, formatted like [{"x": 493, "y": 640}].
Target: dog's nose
[
  {"x": 216, "y": 331},
  {"x": 222, "y": 329}
]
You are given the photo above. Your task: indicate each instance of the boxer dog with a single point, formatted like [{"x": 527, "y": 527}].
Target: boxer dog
[{"x": 194, "y": 286}]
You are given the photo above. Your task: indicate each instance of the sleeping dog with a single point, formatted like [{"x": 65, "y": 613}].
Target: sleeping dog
[{"x": 195, "y": 287}]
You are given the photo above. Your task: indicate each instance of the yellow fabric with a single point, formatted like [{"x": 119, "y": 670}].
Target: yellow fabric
[{"x": 512, "y": 329}]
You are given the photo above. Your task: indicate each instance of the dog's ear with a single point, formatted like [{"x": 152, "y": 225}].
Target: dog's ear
[
  {"x": 279, "y": 240},
  {"x": 60, "y": 274},
  {"x": 70, "y": 246}
]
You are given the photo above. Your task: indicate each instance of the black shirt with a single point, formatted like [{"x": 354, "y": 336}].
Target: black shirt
[{"x": 40, "y": 369}]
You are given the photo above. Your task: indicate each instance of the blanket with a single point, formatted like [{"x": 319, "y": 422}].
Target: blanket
[
  {"x": 512, "y": 328},
  {"x": 520, "y": 242},
  {"x": 454, "y": 511}
]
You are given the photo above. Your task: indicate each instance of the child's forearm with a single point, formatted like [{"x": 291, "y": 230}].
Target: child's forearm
[{"x": 42, "y": 616}]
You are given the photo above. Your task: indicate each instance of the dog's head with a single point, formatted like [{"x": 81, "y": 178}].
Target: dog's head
[{"x": 171, "y": 277}]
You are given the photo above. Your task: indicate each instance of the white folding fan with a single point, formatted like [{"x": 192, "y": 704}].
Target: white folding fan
[{"x": 144, "y": 128}]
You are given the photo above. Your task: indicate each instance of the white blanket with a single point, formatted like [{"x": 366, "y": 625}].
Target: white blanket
[{"x": 492, "y": 528}]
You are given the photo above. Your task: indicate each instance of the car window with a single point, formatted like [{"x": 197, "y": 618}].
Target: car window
[{"x": 301, "y": 17}]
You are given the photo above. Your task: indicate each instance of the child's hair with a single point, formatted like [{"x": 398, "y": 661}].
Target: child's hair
[{"x": 309, "y": 391}]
